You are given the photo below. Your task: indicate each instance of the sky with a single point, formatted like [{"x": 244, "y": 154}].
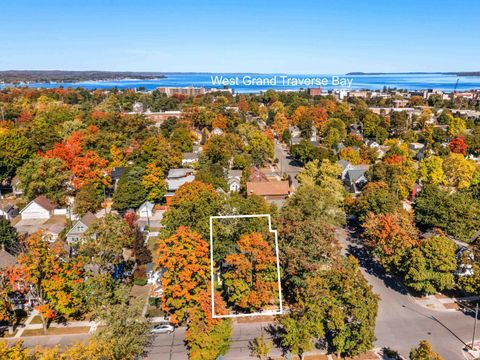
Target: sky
[{"x": 295, "y": 37}]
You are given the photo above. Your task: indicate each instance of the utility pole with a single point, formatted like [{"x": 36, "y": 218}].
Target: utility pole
[{"x": 474, "y": 325}]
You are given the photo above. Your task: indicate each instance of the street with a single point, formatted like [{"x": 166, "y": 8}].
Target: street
[
  {"x": 287, "y": 164},
  {"x": 401, "y": 322},
  {"x": 171, "y": 347}
]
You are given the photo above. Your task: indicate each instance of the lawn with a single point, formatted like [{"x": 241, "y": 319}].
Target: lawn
[{"x": 57, "y": 331}]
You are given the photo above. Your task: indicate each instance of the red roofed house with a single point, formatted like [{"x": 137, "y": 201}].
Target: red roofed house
[{"x": 271, "y": 191}]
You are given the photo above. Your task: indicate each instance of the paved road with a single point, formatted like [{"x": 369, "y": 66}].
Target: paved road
[
  {"x": 402, "y": 323},
  {"x": 287, "y": 164},
  {"x": 171, "y": 347}
]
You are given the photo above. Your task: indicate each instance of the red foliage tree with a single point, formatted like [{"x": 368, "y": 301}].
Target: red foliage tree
[{"x": 458, "y": 145}]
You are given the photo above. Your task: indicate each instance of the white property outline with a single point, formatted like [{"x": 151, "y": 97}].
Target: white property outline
[{"x": 212, "y": 277}]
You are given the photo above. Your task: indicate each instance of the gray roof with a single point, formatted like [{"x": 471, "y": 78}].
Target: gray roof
[
  {"x": 352, "y": 176},
  {"x": 343, "y": 163},
  {"x": 235, "y": 173},
  {"x": 148, "y": 205},
  {"x": 190, "y": 156},
  {"x": 88, "y": 219},
  {"x": 174, "y": 183},
  {"x": 178, "y": 173},
  {"x": 6, "y": 259}
]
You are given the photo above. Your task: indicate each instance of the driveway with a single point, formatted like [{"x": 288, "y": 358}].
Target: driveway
[{"x": 287, "y": 164}]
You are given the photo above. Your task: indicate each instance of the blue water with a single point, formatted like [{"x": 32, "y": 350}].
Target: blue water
[{"x": 371, "y": 82}]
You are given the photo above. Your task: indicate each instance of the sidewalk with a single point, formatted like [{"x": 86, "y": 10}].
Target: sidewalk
[{"x": 442, "y": 302}]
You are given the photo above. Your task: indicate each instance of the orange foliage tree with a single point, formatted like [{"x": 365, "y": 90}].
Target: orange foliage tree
[
  {"x": 250, "y": 281},
  {"x": 390, "y": 236},
  {"x": 51, "y": 280},
  {"x": 184, "y": 256}
]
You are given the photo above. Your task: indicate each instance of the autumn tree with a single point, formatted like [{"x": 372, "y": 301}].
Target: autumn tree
[
  {"x": 105, "y": 240},
  {"x": 184, "y": 256},
  {"x": 424, "y": 351},
  {"x": 207, "y": 338},
  {"x": 88, "y": 198},
  {"x": 334, "y": 132},
  {"x": 260, "y": 347},
  {"x": 218, "y": 150},
  {"x": 53, "y": 282},
  {"x": 159, "y": 151},
  {"x": 192, "y": 206},
  {"x": 90, "y": 168},
  {"x": 458, "y": 145},
  {"x": 459, "y": 172},
  {"x": 280, "y": 124},
  {"x": 337, "y": 305},
  {"x": 45, "y": 176},
  {"x": 250, "y": 281},
  {"x": 431, "y": 171},
  {"x": 397, "y": 171},
  {"x": 154, "y": 183},
  {"x": 390, "y": 237},
  {"x": 126, "y": 330}
]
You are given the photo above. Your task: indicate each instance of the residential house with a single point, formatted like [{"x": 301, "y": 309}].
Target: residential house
[
  {"x": 272, "y": 191},
  {"x": 355, "y": 178},
  {"x": 17, "y": 191},
  {"x": 234, "y": 178},
  {"x": 177, "y": 178},
  {"x": 8, "y": 212},
  {"x": 38, "y": 208},
  {"x": 189, "y": 158},
  {"x": 145, "y": 210},
  {"x": 80, "y": 227},
  {"x": 51, "y": 231}
]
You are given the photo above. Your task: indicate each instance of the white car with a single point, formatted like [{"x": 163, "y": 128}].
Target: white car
[{"x": 162, "y": 329}]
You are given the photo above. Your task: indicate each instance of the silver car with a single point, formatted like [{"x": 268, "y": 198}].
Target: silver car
[{"x": 162, "y": 329}]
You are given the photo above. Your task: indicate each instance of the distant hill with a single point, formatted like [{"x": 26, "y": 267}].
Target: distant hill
[
  {"x": 464, "y": 73},
  {"x": 33, "y": 76}
]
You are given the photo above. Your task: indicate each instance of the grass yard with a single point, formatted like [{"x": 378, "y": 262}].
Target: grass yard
[{"x": 57, "y": 331}]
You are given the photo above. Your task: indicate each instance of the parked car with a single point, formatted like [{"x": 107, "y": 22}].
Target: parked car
[{"x": 162, "y": 329}]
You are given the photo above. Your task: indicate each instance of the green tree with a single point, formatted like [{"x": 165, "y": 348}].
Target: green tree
[
  {"x": 334, "y": 132},
  {"x": 45, "y": 176},
  {"x": 338, "y": 305},
  {"x": 458, "y": 213},
  {"x": 14, "y": 151},
  {"x": 424, "y": 351},
  {"x": 430, "y": 267},
  {"x": 126, "y": 330},
  {"x": 8, "y": 234},
  {"x": 88, "y": 198},
  {"x": 376, "y": 198},
  {"x": 130, "y": 192},
  {"x": 260, "y": 347},
  {"x": 192, "y": 206},
  {"x": 104, "y": 242}
]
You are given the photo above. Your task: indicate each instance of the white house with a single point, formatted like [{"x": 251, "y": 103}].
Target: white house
[
  {"x": 78, "y": 229},
  {"x": 189, "y": 158},
  {"x": 39, "y": 208},
  {"x": 234, "y": 177},
  {"x": 145, "y": 210}
]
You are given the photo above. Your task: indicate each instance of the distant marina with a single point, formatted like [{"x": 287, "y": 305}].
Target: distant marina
[{"x": 414, "y": 81}]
